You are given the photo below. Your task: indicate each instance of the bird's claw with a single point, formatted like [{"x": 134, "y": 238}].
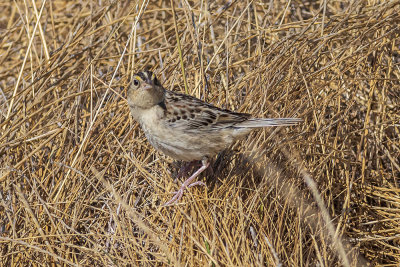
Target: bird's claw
[{"x": 178, "y": 194}]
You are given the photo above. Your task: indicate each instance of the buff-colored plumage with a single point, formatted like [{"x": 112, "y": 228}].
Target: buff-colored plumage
[{"x": 186, "y": 128}]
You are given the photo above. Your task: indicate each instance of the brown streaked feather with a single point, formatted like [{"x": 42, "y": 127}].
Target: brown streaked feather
[{"x": 199, "y": 115}]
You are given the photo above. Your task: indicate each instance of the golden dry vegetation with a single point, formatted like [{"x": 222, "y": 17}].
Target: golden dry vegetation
[{"x": 81, "y": 186}]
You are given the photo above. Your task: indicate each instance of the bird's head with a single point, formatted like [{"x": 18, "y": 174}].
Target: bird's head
[{"x": 145, "y": 91}]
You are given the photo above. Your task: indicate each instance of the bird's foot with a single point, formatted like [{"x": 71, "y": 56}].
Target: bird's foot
[
  {"x": 188, "y": 183},
  {"x": 178, "y": 194}
]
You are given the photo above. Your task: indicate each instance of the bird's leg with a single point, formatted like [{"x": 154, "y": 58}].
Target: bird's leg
[
  {"x": 188, "y": 183},
  {"x": 187, "y": 166}
]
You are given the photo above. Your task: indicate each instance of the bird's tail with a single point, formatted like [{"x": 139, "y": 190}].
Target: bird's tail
[{"x": 257, "y": 123}]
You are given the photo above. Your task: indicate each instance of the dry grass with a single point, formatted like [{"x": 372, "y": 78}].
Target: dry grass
[{"x": 80, "y": 185}]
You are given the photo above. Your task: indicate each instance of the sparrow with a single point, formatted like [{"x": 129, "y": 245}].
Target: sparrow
[{"x": 186, "y": 128}]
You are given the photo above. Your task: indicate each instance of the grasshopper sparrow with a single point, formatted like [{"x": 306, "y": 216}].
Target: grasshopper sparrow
[{"x": 186, "y": 128}]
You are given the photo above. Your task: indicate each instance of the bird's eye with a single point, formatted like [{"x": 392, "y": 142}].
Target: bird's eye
[{"x": 135, "y": 82}]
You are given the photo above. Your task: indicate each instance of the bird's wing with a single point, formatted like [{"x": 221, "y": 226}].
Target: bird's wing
[{"x": 188, "y": 113}]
